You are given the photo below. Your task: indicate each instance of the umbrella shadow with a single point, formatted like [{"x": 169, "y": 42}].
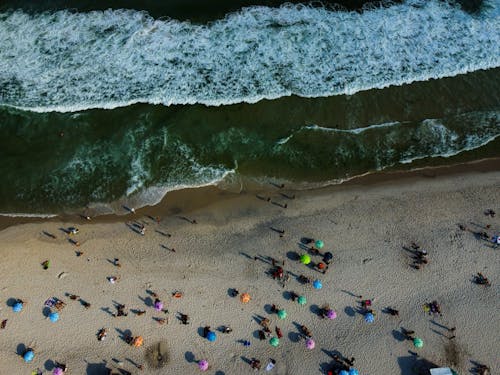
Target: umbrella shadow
[
  {"x": 413, "y": 364},
  {"x": 398, "y": 335},
  {"x": 21, "y": 349},
  {"x": 220, "y": 372},
  {"x": 46, "y": 311},
  {"x": 306, "y": 240},
  {"x": 293, "y": 256},
  {"x": 200, "y": 332},
  {"x": 190, "y": 357},
  {"x": 315, "y": 309},
  {"x": 287, "y": 295},
  {"x": 256, "y": 334},
  {"x": 148, "y": 301},
  {"x": 11, "y": 302},
  {"x": 350, "y": 311},
  {"x": 97, "y": 369},
  {"x": 324, "y": 367},
  {"x": 294, "y": 336},
  {"x": 231, "y": 292},
  {"x": 49, "y": 365},
  {"x": 268, "y": 309},
  {"x": 125, "y": 334}
]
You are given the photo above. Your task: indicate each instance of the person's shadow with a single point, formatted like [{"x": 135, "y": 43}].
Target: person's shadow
[{"x": 124, "y": 335}]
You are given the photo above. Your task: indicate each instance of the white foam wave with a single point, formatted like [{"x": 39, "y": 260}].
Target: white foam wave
[
  {"x": 66, "y": 61},
  {"x": 41, "y": 216},
  {"x": 356, "y": 130}
]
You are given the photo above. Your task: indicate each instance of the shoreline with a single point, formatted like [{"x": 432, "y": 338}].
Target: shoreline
[
  {"x": 368, "y": 226},
  {"x": 190, "y": 199}
]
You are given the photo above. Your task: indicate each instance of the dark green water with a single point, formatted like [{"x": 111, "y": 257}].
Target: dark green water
[{"x": 58, "y": 161}]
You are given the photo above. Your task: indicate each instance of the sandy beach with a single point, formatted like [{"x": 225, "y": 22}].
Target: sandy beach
[{"x": 369, "y": 230}]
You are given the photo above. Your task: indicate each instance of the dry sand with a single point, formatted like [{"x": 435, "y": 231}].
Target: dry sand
[{"x": 365, "y": 227}]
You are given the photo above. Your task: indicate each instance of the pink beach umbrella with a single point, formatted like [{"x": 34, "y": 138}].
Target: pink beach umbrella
[
  {"x": 58, "y": 371},
  {"x": 310, "y": 344},
  {"x": 203, "y": 365},
  {"x": 331, "y": 314},
  {"x": 158, "y": 305}
]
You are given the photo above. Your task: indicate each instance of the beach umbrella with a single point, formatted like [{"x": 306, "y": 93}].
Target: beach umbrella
[
  {"x": 418, "y": 342},
  {"x": 302, "y": 300},
  {"x": 245, "y": 298},
  {"x": 310, "y": 344},
  {"x": 158, "y": 305},
  {"x": 369, "y": 318},
  {"x": 343, "y": 372},
  {"x": 211, "y": 336},
  {"x": 203, "y": 365},
  {"x": 331, "y": 314},
  {"x": 305, "y": 259},
  {"x": 319, "y": 244},
  {"x": 353, "y": 371},
  {"x": 282, "y": 314},
  {"x": 138, "y": 341},
  {"x": 317, "y": 284},
  {"x": 321, "y": 266},
  {"x": 28, "y": 355},
  {"x": 54, "y": 316},
  {"x": 58, "y": 371},
  {"x": 274, "y": 341},
  {"x": 18, "y": 306},
  {"x": 246, "y": 343}
]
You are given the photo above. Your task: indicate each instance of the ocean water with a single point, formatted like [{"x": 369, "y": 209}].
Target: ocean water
[{"x": 106, "y": 105}]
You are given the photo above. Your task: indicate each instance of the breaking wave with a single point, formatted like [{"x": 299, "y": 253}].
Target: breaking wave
[{"x": 66, "y": 61}]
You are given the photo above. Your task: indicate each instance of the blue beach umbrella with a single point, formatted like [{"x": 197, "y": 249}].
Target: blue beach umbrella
[
  {"x": 317, "y": 284},
  {"x": 353, "y": 371},
  {"x": 343, "y": 372},
  {"x": 369, "y": 318},
  {"x": 28, "y": 356},
  {"x": 54, "y": 317},
  {"x": 319, "y": 244},
  {"x": 211, "y": 336},
  {"x": 18, "y": 306}
]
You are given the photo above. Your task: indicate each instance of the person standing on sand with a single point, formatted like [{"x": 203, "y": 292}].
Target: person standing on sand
[{"x": 271, "y": 364}]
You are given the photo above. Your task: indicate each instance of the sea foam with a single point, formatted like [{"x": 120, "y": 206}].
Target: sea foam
[{"x": 67, "y": 61}]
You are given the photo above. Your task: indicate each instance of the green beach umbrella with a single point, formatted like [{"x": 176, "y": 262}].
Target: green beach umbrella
[
  {"x": 305, "y": 259},
  {"x": 418, "y": 342},
  {"x": 302, "y": 300},
  {"x": 274, "y": 341},
  {"x": 319, "y": 244},
  {"x": 282, "y": 314}
]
